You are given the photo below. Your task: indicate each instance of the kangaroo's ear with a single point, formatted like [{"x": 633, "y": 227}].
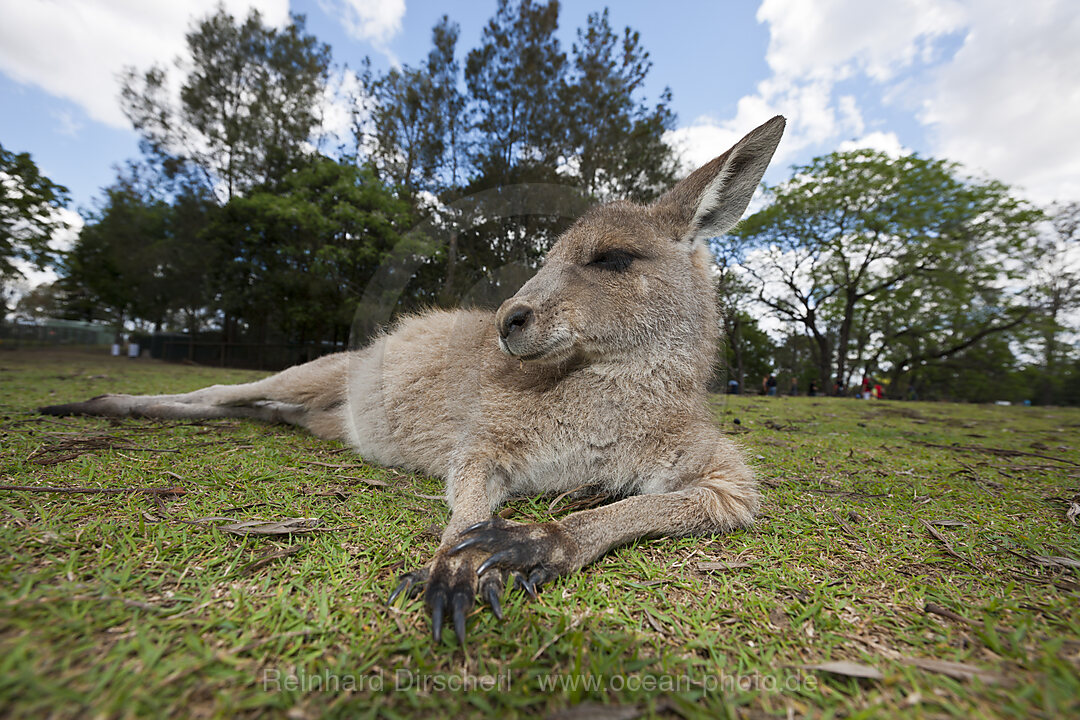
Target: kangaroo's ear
[{"x": 712, "y": 199}]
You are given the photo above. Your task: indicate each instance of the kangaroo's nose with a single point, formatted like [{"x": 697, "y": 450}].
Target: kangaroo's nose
[{"x": 515, "y": 319}]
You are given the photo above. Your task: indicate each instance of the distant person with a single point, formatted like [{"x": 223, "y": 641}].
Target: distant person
[
  {"x": 812, "y": 390},
  {"x": 864, "y": 392},
  {"x": 838, "y": 387},
  {"x": 879, "y": 391},
  {"x": 794, "y": 386},
  {"x": 733, "y": 387},
  {"x": 769, "y": 385}
]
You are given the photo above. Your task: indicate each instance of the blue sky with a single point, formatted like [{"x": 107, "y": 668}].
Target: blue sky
[{"x": 992, "y": 84}]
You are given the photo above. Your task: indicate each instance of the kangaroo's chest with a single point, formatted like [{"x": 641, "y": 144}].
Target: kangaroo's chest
[{"x": 613, "y": 444}]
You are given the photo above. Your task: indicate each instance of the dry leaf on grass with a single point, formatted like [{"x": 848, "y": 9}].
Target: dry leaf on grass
[
  {"x": 291, "y": 526},
  {"x": 848, "y": 669},
  {"x": 1073, "y": 512},
  {"x": 715, "y": 566}
]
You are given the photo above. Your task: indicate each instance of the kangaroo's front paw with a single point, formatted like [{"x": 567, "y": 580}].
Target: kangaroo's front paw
[
  {"x": 535, "y": 553},
  {"x": 450, "y": 583}
]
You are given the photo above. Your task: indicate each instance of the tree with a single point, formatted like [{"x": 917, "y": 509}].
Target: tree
[
  {"x": 899, "y": 261},
  {"x": 114, "y": 270},
  {"x": 415, "y": 122},
  {"x": 443, "y": 69},
  {"x": 515, "y": 79},
  {"x": 1056, "y": 291},
  {"x": 735, "y": 300},
  {"x": 249, "y": 102},
  {"x": 40, "y": 303},
  {"x": 615, "y": 140},
  {"x": 296, "y": 259},
  {"x": 29, "y": 205}
]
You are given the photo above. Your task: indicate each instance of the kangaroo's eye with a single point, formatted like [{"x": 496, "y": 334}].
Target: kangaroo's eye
[{"x": 614, "y": 260}]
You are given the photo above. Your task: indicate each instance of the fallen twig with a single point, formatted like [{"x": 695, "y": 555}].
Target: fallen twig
[
  {"x": 935, "y": 609},
  {"x": 948, "y": 548},
  {"x": 849, "y": 530},
  {"x": 269, "y": 558}
]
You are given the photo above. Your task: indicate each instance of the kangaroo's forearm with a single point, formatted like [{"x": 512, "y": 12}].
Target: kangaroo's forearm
[{"x": 692, "y": 511}]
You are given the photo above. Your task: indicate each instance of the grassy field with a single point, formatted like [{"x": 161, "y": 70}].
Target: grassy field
[{"x": 922, "y": 553}]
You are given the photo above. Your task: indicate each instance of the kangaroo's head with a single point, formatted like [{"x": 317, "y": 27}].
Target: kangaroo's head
[{"x": 627, "y": 281}]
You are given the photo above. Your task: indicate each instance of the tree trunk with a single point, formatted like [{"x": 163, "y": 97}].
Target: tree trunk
[{"x": 844, "y": 338}]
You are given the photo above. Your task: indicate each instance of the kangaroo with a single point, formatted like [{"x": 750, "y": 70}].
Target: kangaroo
[{"x": 595, "y": 371}]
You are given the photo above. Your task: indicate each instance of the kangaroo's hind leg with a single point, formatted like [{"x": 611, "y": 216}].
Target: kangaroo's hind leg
[{"x": 311, "y": 395}]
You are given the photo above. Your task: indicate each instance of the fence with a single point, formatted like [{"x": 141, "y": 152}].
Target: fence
[
  {"x": 54, "y": 332},
  {"x": 253, "y": 356}
]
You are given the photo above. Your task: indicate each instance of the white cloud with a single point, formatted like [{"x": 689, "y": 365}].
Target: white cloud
[
  {"x": 374, "y": 21},
  {"x": 886, "y": 142},
  {"x": 833, "y": 39},
  {"x": 1007, "y": 102},
  {"x": 75, "y": 50},
  {"x": 814, "y": 44}
]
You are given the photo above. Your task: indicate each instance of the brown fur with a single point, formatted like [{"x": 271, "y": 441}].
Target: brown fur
[{"x": 595, "y": 371}]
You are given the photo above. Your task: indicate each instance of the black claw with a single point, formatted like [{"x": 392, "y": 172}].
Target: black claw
[
  {"x": 467, "y": 542},
  {"x": 474, "y": 527},
  {"x": 438, "y": 604},
  {"x": 525, "y": 585},
  {"x": 493, "y": 561},
  {"x": 460, "y": 605},
  {"x": 537, "y": 578},
  {"x": 402, "y": 586},
  {"x": 492, "y": 593}
]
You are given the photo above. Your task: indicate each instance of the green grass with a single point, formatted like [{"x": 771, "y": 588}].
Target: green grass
[{"x": 114, "y": 606}]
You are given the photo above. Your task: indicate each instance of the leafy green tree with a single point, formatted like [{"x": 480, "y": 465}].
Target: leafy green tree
[
  {"x": 187, "y": 256},
  {"x": 29, "y": 205},
  {"x": 142, "y": 256},
  {"x": 984, "y": 372},
  {"x": 514, "y": 80},
  {"x": 735, "y": 299},
  {"x": 249, "y": 102},
  {"x": 41, "y": 303},
  {"x": 114, "y": 270},
  {"x": 615, "y": 139},
  {"x": 899, "y": 261},
  {"x": 107, "y": 261},
  {"x": 444, "y": 69},
  {"x": 296, "y": 259},
  {"x": 415, "y": 119}
]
